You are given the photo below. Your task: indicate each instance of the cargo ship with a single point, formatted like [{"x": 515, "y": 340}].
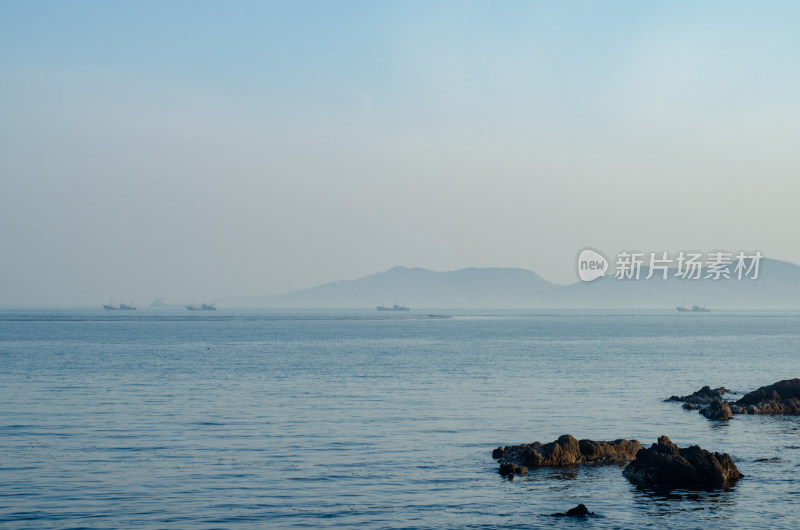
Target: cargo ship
[
  {"x": 201, "y": 307},
  {"x": 694, "y": 309},
  {"x": 395, "y": 307},
  {"x": 121, "y": 307}
]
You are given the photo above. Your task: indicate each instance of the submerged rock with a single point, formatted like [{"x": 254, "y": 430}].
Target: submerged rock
[
  {"x": 509, "y": 470},
  {"x": 579, "y": 511},
  {"x": 567, "y": 451},
  {"x": 664, "y": 464},
  {"x": 704, "y": 396}
]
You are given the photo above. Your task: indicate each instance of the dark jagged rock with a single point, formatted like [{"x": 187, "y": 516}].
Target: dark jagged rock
[
  {"x": 579, "y": 511},
  {"x": 691, "y": 406},
  {"x": 567, "y": 451},
  {"x": 780, "y": 391},
  {"x": 718, "y": 410},
  {"x": 782, "y": 397},
  {"x": 666, "y": 465},
  {"x": 704, "y": 396}
]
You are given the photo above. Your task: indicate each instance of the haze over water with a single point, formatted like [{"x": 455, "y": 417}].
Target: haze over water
[
  {"x": 308, "y": 419},
  {"x": 203, "y": 150}
]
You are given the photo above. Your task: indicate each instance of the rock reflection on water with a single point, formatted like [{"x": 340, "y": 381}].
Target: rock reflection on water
[
  {"x": 718, "y": 426},
  {"x": 772, "y": 460},
  {"x": 562, "y": 474},
  {"x": 666, "y": 501}
]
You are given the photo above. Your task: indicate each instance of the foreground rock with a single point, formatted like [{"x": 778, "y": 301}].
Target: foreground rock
[
  {"x": 664, "y": 464},
  {"x": 579, "y": 511},
  {"x": 704, "y": 396},
  {"x": 566, "y": 451}
]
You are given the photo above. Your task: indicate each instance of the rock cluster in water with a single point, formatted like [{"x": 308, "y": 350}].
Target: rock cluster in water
[
  {"x": 782, "y": 397},
  {"x": 566, "y": 451},
  {"x": 664, "y": 464}
]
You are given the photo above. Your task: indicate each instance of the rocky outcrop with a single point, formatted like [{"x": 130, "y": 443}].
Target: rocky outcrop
[
  {"x": 790, "y": 407},
  {"x": 780, "y": 391},
  {"x": 579, "y": 511},
  {"x": 782, "y": 397},
  {"x": 566, "y": 451},
  {"x": 664, "y": 464},
  {"x": 704, "y": 396},
  {"x": 718, "y": 410}
]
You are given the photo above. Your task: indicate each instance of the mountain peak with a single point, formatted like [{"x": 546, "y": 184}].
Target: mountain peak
[{"x": 498, "y": 287}]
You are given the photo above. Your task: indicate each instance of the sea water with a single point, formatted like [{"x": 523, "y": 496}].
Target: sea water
[{"x": 164, "y": 419}]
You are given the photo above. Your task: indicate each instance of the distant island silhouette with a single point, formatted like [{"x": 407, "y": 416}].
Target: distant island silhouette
[{"x": 778, "y": 287}]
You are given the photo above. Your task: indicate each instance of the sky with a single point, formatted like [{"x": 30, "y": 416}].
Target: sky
[{"x": 199, "y": 150}]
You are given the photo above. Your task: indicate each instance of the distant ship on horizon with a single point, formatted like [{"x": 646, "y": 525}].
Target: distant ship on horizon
[
  {"x": 121, "y": 307},
  {"x": 395, "y": 307},
  {"x": 201, "y": 307},
  {"x": 695, "y": 309}
]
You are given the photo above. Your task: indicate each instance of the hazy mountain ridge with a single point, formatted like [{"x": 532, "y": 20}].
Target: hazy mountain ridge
[{"x": 778, "y": 286}]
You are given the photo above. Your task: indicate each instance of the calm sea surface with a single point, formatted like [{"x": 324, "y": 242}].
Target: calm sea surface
[{"x": 163, "y": 419}]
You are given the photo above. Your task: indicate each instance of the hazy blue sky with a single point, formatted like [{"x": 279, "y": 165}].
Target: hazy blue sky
[{"x": 210, "y": 149}]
